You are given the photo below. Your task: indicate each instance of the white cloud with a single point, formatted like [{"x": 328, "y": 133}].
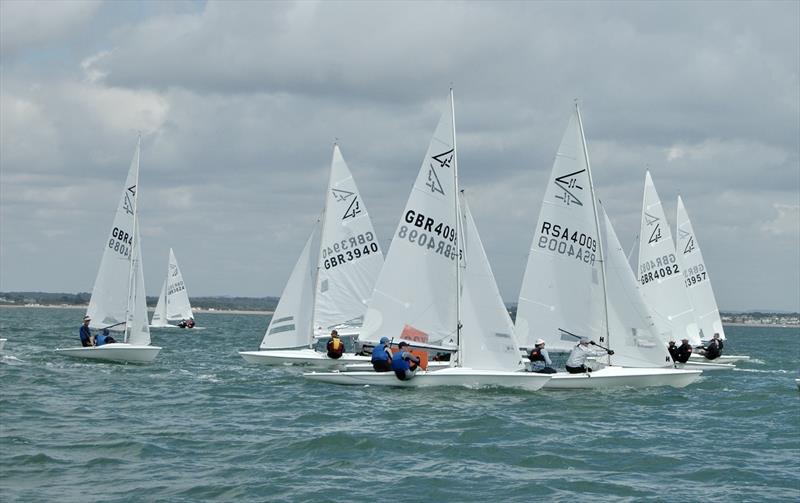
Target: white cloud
[{"x": 786, "y": 222}]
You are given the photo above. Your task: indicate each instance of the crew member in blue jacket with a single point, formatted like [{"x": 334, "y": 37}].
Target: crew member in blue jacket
[
  {"x": 382, "y": 356},
  {"x": 404, "y": 363},
  {"x": 87, "y": 340}
]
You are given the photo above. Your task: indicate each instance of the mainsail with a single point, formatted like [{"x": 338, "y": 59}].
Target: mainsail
[
  {"x": 562, "y": 293},
  {"x": 660, "y": 274},
  {"x": 413, "y": 298},
  {"x": 696, "y": 278}
]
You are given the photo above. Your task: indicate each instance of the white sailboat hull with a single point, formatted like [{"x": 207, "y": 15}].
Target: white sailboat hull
[
  {"x": 304, "y": 356},
  {"x": 176, "y": 326},
  {"x": 455, "y": 376},
  {"x": 624, "y": 377},
  {"x": 721, "y": 359},
  {"x": 116, "y": 352},
  {"x": 692, "y": 365},
  {"x": 367, "y": 367}
]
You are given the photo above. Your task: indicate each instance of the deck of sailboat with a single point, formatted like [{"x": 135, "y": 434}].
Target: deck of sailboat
[
  {"x": 304, "y": 356},
  {"x": 624, "y": 377},
  {"x": 115, "y": 352},
  {"x": 452, "y": 376}
]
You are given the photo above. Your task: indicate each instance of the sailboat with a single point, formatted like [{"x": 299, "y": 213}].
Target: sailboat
[
  {"x": 436, "y": 290},
  {"x": 567, "y": 292},
  {"x": 698, "y": 284},
  {"x": 662, "y": 280},
  {"x": 173, "y": 302},
  {"x": 118, "y": 296},
  {"x": 331, "y": 283}
]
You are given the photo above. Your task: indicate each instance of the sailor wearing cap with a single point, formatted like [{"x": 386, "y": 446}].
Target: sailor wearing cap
[
  {"x": 382, "y": 356},
  {"x": 85, "y": 334},
  {"x": 540, "y": 359},
  {"x": 576, "y": 363}
]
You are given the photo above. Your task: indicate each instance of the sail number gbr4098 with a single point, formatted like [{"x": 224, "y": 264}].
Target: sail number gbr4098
[
  {"x": 349, "y": 249},
  {"x": 427, "y": 233}
]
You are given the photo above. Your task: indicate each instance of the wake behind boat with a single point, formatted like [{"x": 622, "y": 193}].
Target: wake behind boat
[{"x": 118, "y": 296}]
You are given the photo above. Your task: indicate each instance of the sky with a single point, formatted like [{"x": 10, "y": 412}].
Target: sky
[{"x": 239, "y": 104}]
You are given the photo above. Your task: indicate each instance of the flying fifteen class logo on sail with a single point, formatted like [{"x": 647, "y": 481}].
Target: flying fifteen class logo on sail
[{"x": 568, "y": 184}]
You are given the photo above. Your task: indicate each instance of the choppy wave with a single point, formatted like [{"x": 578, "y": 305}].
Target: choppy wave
[{"x": 200, "y": 424}]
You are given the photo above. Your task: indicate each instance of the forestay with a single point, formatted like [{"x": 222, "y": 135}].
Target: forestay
[
  {"x": 633, "y": 336},
  {"x": 413, "y": 298},
  {"x": 290, "y": 326},
  {"x": 562, "y": 288},
  {"x": 660, "y": 274},
  {"x": 350, "y": 258},
  {"x": 696, "y": 278},
  {"x": 487, "y": 334}
]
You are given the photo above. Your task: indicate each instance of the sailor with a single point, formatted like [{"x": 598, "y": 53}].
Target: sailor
[
  {"x": 190, "y": 323},
  {"x": 335, "y": 346},
  {"x": 404, "y": 363},
  {"x": 713, "y": 349},
  {"x": 382, "y": 356},
  {"x": 87, "y": 340},
  {"x": 684, "y": 351},
  {"x": 673, "y": 350},
  {"x": 576, "y": 363},
  {"x": 540, "y": 359},
  {"x": 103, "y": 338}
]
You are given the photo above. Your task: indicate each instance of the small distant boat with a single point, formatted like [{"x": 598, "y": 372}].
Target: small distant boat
[
  {"x": 173, "y": 302},
  {"x": 330, "y": 284},
  {"x": 118, "y": 297}
]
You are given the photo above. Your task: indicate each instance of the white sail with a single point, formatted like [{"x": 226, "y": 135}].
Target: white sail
[
  {"x": 487, "y": 334},
  {"x": 178, "y": 306},
  {"x": 109, "y": 302},
  {"x": 413, "y": 298},
  {"x": 562, "y": 291},
  {"x": 290, "y": 326},
  {"x": 696, "y": 278},
  {"x": 633, "y": 335},
  {"x": 350, "y": 257},
  {"x": 660, "y": 275},
  {"x": 137, "y": 331},
  {"x": 160, "y": 313}
]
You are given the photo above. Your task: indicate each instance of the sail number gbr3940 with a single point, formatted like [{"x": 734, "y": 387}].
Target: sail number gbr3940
[
  {"x": 349, "y": 249},
  {"x": 120, "y": 242}
]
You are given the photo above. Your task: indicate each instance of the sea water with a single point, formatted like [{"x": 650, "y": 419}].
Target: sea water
[{"x": 200, "y": 424}]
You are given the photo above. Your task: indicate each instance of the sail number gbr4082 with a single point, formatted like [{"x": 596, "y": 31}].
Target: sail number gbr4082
[
  {"x": 349, "y": 249},
  {"x": 661, "y": 267}
]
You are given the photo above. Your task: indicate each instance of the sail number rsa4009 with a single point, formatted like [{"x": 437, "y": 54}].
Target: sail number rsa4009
[{"x": 557, "y": 238}]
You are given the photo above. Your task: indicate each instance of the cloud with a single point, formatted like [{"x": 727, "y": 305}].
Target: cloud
[
  {"x": 25, "y": 25},
  {"x": 786, "y": 222}
]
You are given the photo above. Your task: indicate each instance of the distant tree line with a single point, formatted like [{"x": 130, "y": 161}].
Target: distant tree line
[{"x": 82, "y": 299}]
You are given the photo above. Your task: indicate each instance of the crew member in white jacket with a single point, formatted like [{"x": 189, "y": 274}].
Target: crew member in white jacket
[{"x": 576, "y": 363}]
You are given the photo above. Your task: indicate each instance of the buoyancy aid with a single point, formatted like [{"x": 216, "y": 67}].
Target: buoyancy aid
[
  {"x": 380, "y": 354},
  {"x": 335, "y": 347},
  {"x": 536, "y": 355},
  {"x": 400, "y": 364}
]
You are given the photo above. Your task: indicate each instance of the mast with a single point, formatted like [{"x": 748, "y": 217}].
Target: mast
[
  {"x": 459, "y": 227},
  {"x": 319, "y": 252},
  {"x": 131, "y": 282},
  {"x": 597, "y": 227}
]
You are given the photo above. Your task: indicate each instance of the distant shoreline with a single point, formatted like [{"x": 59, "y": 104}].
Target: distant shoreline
[
  {"x": 75, "y": 306},
  {"x": 265, "y": 313}
]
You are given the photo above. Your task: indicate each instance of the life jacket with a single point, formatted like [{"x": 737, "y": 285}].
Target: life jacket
[
  {"x": 335, "y": 347},
  {"x": 712, "y": 351},
  {"x": 400, "y": 364},
  {"x": 380, "y": 354},
  {"x": 536, "y": 355}
]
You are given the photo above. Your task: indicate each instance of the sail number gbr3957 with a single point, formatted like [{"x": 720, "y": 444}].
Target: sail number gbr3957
[{"x": 349, "y": 249}]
